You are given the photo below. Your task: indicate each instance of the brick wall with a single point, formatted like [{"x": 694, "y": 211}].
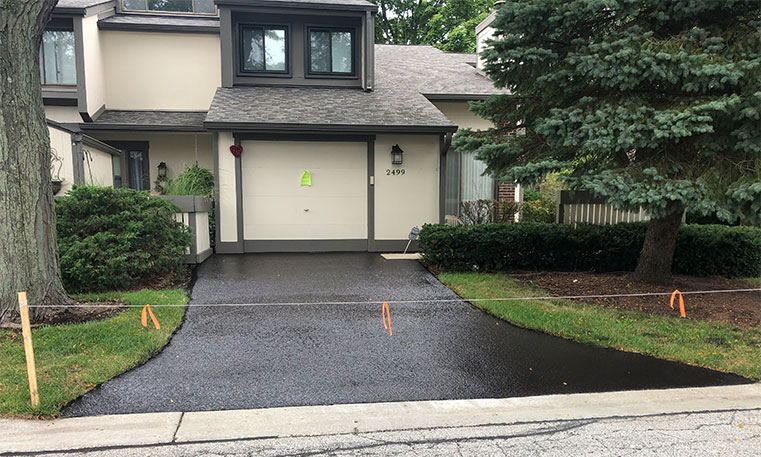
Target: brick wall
[{"x": 505, "y": 192}]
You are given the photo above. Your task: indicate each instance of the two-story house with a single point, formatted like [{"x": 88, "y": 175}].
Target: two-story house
[{"x": 318, "y": 138}]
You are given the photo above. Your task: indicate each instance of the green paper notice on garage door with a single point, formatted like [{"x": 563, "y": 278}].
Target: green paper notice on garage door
[{"x": 306, "y": 179}]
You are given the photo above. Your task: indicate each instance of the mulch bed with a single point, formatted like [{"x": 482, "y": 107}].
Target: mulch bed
[
  {"x": 76, "y": 315},
  {"x": 742, "y": 309}
]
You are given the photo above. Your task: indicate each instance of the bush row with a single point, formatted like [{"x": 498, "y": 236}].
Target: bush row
[{"x": 701, "y": 250}]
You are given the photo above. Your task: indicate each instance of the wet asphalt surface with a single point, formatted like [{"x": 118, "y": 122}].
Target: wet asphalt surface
[{"x": 284, "y": 355}]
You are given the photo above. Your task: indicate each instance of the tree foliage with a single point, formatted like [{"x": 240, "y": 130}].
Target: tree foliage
[
  {"x": 651, "y": 103},
  {"x": 450, "y": 25}
]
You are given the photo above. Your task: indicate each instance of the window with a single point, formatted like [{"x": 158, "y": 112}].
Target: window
[
  {"x": 264, "y": 49},
  {"x": 331, "y": 51},
  {"x": 116, "y": 166},
  {"x": 57, "y": 58},
  {"x": 171, "y": 6}
]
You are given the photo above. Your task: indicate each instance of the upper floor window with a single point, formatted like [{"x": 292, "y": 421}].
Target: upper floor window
[
  {"x": 264, "y": 49},
  {"x": 57, "y": 58},
  {"x": 171, "y": 6},
  {"x": 331, "y": 51}
]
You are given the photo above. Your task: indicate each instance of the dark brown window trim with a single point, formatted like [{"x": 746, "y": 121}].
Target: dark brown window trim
[
  {"x": 308, "y": 73},
  {"x": 121, "y": 9},
  {"x": 57, "y": 25},
  {"x": 262, "y": 73}
]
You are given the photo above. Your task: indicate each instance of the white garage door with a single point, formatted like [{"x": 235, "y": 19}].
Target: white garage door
[{"x": 277, "y": 207}]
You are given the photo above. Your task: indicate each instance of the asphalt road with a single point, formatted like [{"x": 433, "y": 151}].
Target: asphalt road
[{"x": 287, "y": 355}]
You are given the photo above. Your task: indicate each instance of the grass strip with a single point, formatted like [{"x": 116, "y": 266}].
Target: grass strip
[
  {"x": 707, "y": 344},
  {"x": 74, "y": 358}
]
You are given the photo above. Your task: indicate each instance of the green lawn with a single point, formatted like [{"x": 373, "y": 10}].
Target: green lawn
[
  {"x": 713, "y": 345},
  {"x": 72, "y": 359}
]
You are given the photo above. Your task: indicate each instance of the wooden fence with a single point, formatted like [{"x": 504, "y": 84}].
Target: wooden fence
[{"x": 579, "y": 207}]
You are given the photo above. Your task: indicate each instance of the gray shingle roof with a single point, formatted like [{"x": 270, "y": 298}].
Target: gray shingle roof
[
  {"x": 405, "y": 77},
  {"x": 430, "y": 71},
  {"x": 148, "y": 120},
  {"x": 78, "y": 4},
  {"x": 148, "y": 22},
  {"x": 392, "y": 109}
]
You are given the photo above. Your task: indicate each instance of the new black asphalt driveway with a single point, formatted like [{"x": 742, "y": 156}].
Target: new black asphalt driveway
[{"x": 285, "y": 355}]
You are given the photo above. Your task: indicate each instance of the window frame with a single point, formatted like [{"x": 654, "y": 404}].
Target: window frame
[
  {"x": 308, "y": 73},
  {"x": 53, "y": 27},
  {"x": 240, "y": 70},
  {"x": 123, "y": 9}
]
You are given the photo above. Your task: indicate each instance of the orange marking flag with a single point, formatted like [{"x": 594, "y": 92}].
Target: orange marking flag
[
  {"x": 387, "y": 314},
  {"x": 144, "y": 318},
  {"x": 681, "y": 302}
]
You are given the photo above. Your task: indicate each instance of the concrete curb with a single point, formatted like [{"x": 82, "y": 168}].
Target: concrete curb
[{"x": 136, "y": 430}]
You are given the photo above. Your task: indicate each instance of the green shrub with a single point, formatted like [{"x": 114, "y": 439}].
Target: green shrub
[
  {"x": 537, "y": 207},
  {"x": 541, "y": 210},
  {"x": 700, "y": 250},
  {"x": 115, "y": 239}
]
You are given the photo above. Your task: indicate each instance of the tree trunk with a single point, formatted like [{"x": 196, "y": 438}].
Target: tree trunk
[
  {"x": 654, "y": 265},
  {"x": 28, "y": 250}
]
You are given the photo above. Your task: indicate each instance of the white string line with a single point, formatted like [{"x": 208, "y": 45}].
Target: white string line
[{"x": 402, "y": 302}]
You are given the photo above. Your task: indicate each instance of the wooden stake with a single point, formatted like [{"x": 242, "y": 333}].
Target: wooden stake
[{"x": 26, "y": 330}]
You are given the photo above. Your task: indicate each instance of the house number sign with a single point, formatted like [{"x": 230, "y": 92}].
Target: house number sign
[{"x": 395, "y": 172}]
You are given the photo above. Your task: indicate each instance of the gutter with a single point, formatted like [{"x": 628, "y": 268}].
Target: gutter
[{"x": 334, "y": 128}]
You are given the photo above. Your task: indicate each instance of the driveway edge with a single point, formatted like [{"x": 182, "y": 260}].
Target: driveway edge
[{"x": 139, "y": 430}]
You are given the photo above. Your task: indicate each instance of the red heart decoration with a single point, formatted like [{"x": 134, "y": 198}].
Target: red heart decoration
[{"x": 236, "y": 150}]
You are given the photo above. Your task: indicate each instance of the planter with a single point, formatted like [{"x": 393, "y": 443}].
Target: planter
[{"x": 57, "y": 186}]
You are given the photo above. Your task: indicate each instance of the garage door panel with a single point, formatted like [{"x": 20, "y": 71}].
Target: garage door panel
[
  {"x": 307, "y": 232},
  {"x": 323, "y": 154},
  {"x": 299, "y": 210},
  {"x": 274, "y": 202},
  {"x": 287, "y": 181}
]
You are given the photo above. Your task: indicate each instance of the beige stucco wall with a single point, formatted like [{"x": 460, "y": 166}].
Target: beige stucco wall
[
  {"x": 154, "y": 71},
  {"x": 459, "y": 113},
  {"x": 227, "y": 222},
  {"x": 408, "y": 200},
  {"x": 63, "y": 114},
  {"x": 93, "y": 60},
  {"x": 178, "y": 150},
  {"x": 60, "y": 141},
  {"x": 481, "y": 38},
  {"x": 98, "y": 167},
  {"x": 277, "y": 207}
]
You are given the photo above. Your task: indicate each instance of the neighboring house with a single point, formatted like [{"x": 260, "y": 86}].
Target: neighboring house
[
  {"x": 319, "y": 139},
  {"x": 476, "y": 168}
]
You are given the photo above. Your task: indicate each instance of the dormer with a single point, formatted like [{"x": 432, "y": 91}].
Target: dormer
[{"x": 322, "y": 43}]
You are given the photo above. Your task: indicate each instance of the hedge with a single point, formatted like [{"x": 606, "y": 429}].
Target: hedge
[
  {"x": 117, "y": 239},
  {"x": 701, "y": 250}
]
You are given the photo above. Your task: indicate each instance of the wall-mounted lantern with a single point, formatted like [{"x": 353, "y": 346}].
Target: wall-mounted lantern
[
  {"x": 396, "y": 155},
  {"x": 162, "y": 170}
]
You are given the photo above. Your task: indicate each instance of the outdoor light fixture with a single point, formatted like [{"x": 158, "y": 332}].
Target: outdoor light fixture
[
  {"x": 162, "y": 170},
  {"x": 396, "y": 155}
]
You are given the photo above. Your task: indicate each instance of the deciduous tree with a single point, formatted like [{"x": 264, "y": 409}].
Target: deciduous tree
[
  {"x": 450, "y": 25},
  {"x": 647, "y": 103},
  {"x": 28, "y": 249}
]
